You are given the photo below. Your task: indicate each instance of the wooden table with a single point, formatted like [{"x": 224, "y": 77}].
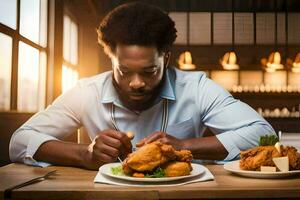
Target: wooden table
[{"x": 73, "y": 183}]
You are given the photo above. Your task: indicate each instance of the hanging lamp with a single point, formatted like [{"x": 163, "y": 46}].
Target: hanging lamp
[
  {"x": 185, "y": 60},
  {"x": 273, "y": 63},
  {"x": 294, "y": 64},
  {"x": 229, "y": 60}
]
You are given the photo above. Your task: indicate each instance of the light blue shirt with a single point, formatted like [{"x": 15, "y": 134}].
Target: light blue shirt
[{"x": 195, "y": 103}]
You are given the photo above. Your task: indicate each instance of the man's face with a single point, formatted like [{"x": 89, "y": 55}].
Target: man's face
[{"x": 138, "y": 72}]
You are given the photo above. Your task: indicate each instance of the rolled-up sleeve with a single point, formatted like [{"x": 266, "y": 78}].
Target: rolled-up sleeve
[
  {"x": 236, "y": 125},
  {"x": 55, "y": 123}
]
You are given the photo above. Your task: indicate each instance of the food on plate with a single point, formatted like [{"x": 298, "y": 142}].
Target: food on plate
[
  {"x": 270, "y": 153},
  {"x": 176, "y": 168},
  {"x": 158, "y": 160}
]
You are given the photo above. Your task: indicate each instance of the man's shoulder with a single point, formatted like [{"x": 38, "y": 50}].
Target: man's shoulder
[
  {"x": 184, "y": 77},
  {"x": 96, "y": 80}
]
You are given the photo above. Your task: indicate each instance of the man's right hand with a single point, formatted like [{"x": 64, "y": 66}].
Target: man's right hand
[{"x": 107, "y": 146}]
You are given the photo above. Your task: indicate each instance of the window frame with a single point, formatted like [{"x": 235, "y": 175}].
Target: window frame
[{"x": 16, "y": 38}]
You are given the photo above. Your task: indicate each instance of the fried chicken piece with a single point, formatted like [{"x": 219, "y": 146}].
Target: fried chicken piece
[
  {"x": 293, "y": 155},
  {"x": 184, "y": 155},
  {"x": 150, "y": 156},
  {"x": 176, "y": 168},
  {"x": 256, "y": 157}
]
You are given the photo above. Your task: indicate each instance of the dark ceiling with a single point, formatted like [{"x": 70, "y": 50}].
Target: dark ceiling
[{"x": 103, "y": 6}]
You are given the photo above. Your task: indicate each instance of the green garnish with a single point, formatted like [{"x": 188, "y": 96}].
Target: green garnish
[
  {"x": 117, "y": 170},
  {"x": 268, "y": 140},
  {"x": 158, "y": 173}
]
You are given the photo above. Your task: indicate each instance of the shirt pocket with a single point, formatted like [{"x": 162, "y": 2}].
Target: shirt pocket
[{"x": 182, "y": 130}]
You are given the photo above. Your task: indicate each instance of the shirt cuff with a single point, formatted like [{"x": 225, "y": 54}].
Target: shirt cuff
[
  {"x": 233, "y": 150},
  {"x": 34, "y": 143}
]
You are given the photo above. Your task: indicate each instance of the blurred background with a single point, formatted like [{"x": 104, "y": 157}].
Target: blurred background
[{"x": 250, "y": 47}]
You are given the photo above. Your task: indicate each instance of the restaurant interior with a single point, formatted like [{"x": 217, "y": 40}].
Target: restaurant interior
[{"x": 250, "y": 47}]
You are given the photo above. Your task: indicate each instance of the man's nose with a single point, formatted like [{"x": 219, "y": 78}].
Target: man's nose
[{"x": 136, "y": 82}]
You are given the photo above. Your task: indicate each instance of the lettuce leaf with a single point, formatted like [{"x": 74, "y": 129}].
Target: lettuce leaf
[
  {"x": 268, "y": 140},
  {"x": 158, "y": 173}
]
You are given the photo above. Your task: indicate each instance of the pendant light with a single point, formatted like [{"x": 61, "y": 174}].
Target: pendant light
[
  {"x": 185, "y": 61},
  {"x": 229, "y": 60},
  {"x": 294, "y": 65},
  {"x": 273, "y": 63}
]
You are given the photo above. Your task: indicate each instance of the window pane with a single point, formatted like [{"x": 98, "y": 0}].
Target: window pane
[
  {"x": 30, "y": 19},
  {"x": 69, "y": 78},
  {"x": 43, "y": 24},
  {"x": 5, "y": 71},
  {"x": 66, "y": 34},
  {"x": 28, "y": 78},
  {"x": 74, "y": 43},
  {"x": 8, "y": 13},
  {"x": 70, "y": 43}
]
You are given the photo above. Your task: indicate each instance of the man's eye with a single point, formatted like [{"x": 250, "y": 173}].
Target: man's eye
[{"x": 151, "y": 71}]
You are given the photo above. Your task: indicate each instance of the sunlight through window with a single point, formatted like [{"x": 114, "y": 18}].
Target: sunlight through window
[
  {"x": 30, "y": 94},
  {"x": 8, "y": 13},
  {"x": 5, "y": 71},
  {"x": 70, "y": 54}
]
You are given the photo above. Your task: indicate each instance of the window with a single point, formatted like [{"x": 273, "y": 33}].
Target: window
[
  {"x": 70, "y": 54},
  {"x": 8, "y": 13},
  {"x": 5, "y": 70},
  {"x": 23, "y": 55}
]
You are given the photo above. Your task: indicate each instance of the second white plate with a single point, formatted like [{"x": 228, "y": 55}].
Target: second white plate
[
  {"x": 106, "y": 170},
  {"x": 234, "y": 167}
]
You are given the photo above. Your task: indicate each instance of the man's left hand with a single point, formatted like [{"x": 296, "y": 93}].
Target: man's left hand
[{"x": 164, "y": 138}]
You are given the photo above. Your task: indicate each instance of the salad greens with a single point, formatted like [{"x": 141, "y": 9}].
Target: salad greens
[
  {"x": 117, "y": 170},
  {"x": 158, "y": 173},
  {"x": 268, "y": 140}
]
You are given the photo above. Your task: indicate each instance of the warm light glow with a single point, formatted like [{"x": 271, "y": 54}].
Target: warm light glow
[
  {"x": 69, "y": 78},
  {"x": 226, "y": 79},
  {"x": 185, "y": 61},
  {"x": 229, "y": 61},
  {"x": 273, "y": 63},
  {"x": 28, "y": 78},
  {"x": 296, "y": 64},
  {"x": 5, "y": 71}
]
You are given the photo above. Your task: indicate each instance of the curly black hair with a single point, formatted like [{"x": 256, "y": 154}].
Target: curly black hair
[{"x": 137, "y": 24}]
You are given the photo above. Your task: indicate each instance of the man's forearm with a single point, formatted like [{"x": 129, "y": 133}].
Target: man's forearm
[
  {"x": 207, "y": 148},
  {"x": 61, "y": 153}
]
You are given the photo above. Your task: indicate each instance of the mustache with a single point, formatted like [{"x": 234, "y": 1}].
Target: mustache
[{"x": 139, "y": 92}]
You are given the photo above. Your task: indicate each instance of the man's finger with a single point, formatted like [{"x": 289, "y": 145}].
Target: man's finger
[{"x": 151, "y": 138}]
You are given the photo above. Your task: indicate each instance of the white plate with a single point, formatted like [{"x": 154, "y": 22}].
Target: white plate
[
  {"x": 234, "y": 167},
  {"x": 106, "y": 170}
]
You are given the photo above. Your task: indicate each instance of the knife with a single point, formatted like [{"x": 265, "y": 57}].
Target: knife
[{"x": 7, "y": 192}]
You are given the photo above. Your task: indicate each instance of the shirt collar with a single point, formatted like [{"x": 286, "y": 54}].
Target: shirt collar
[{"x": 109, "y": 93}]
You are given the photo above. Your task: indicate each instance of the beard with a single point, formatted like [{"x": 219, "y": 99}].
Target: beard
[{"x": 149, "y": 96}]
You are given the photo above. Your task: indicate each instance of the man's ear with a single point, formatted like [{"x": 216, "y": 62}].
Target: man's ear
[{"x": 167, "y": 58}]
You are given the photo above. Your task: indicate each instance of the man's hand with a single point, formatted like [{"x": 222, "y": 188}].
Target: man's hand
[
  {"x": 163, "y": 138},
  {"x": 106, "y": 147}
]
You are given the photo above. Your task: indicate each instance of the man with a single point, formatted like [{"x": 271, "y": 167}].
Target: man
[{"x": 141, "y": 94}]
